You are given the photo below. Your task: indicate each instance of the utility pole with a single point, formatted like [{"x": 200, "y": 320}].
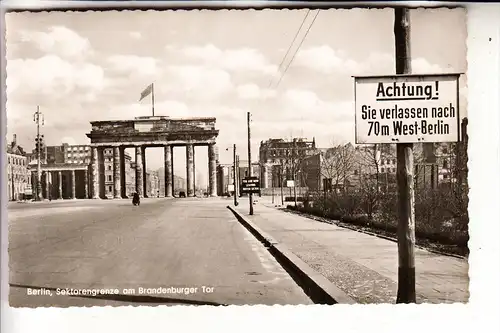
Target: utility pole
[
  {"x": 235, "y": 181},
  {"x": 238, "y": 174},
  {"x": 272, "y": 188},
  {"x": 406, "y": 223},
  {"x": 294, "y": 188},
  {"x": 37, "y": 117},
  {"x": 250, "y": 195},
  {"x": 281, "y": 182}
]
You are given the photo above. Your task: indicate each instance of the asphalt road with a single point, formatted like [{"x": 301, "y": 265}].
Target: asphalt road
[{"x": 179, "y": 251}]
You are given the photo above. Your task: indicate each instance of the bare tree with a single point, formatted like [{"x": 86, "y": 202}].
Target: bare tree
[{"x": 337, "y": 163}]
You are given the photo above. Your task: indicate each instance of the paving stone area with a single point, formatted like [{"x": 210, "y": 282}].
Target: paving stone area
[{"x": 363, "y": 266}]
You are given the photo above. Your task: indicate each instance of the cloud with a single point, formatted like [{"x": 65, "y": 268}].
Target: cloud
[
  {"x": 133, "y": 64},
  {"x": 54, "y": 77},
  {"x": 171, "y": 108},
  {"x": 135, "y": 35},
  {"x": 69, "y": 140},
  {"x": 327, "y": 60},
  {"x": 198, "y": 81},
  {"x": 301, "y": 104},
  {"x": 253, "y": 91},
  {"x": 58, "y": 40},
  {"x": 243, "y": 59}
]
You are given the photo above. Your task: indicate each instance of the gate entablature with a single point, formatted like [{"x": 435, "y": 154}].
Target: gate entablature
[
  {"x": 154, "y": 131},
  {"x": 143, "y": 132}
]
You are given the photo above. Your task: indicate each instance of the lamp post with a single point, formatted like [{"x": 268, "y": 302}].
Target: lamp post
[
  {"x": 37, "y": 117},
  {"x": 235, "y": 192}
]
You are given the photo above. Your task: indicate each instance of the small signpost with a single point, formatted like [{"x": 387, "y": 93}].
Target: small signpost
[
  {"x": 290, "y": 183},
  {"x": 407, "y": 108},
  {"x": 250, "y": 185}
]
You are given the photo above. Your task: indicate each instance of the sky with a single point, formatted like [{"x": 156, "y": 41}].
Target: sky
[{"x": 89, "y": 66}]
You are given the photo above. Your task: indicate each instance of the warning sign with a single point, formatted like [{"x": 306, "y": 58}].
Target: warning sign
[{"x": 407, "y": 108}]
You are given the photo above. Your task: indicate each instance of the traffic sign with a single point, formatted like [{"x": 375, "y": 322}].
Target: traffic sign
[
  {"x": 250, "y": 185},
  {"x": 407, "y": 108}
]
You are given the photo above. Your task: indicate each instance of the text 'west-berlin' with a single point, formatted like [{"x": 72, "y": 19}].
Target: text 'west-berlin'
[{"x": 428, "y": 121}]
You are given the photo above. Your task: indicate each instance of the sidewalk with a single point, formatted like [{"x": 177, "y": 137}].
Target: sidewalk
[{"x": 365, "y": 267}]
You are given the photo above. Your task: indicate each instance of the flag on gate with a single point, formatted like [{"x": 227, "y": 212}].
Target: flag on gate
[{"x": 146, "y": 92}]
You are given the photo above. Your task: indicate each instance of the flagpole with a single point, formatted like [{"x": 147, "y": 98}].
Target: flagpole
[{"x": 153, "y": 97}]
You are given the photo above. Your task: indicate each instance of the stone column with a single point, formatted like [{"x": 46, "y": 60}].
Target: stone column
[
  {"x": 264, "y": 176},
  {"x": 172, "y": 170},
  {"x": 190, "y": 170},
  {"x": 123, "y": 180},
  {"x": 212, "y": 173},
  {"x": 47, "y": 184},
  {"x": 95, "y": 173},
  {"x": 194, "y": 171},
  {"x": 168, "y": 170},
  {"x": 116, "y": 173},
  {"x": 86, "y": 184},
  {"x": 144, "y": 171},
  {"x": 59, "y": 185},
  {"x": 139, "y": 183},
  {"x": 73, "y": 185}
]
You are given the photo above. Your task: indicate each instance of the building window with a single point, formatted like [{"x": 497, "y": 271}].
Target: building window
[
  {"x": 445, "y": 164},
  {"x": 109, "y": 178},
  {"x": 109, "y": 167},
  {"x": 110, "y": 189}
]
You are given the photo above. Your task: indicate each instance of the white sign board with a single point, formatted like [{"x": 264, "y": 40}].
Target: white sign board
[
  {"x": 289, "y": 183},
  {"x": 230, "y": 188},
  {"x": 407, "y": 108}
]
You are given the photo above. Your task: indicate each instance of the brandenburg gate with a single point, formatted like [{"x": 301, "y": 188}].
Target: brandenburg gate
[{"x": 143, "y": 132}]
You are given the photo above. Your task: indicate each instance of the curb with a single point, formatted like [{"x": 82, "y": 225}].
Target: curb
[
  {"x": 395, "y": 240},
  {"x": 315, "y": 285}
]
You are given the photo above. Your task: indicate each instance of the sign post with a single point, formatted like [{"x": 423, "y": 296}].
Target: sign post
[{"x": 404, "y": 109}]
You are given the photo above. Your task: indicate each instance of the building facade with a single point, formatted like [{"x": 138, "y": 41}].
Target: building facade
[
  {"x": 281, "y": 159},
  {"x": 225, "y": 178},
  {"x": 153, "y": 184},
  {"x": 129, "y": 176},
  {"x": 18, "y": 178},
  {"x": 64, "y": 171}
]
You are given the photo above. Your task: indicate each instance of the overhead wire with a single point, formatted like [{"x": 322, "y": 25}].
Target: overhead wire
[
  {"x": 298, "y": 48},
  {"x": 290, "y": 47}
]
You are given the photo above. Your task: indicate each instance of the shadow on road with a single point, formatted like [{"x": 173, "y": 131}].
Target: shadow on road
[{"x": 128, "y": 298}]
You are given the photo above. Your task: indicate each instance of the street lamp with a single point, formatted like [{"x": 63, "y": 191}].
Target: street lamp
[
  {"x": 234, "y": 175},
  {"x": 38, "y": 118}
]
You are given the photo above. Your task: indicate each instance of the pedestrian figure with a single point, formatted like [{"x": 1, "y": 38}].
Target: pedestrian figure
[{"x": 136, "y": 200}]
